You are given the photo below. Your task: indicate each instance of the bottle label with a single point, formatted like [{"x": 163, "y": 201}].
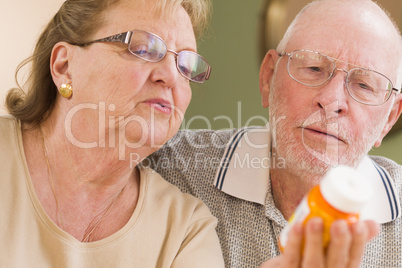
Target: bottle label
[{"x": 301, "y": 213}]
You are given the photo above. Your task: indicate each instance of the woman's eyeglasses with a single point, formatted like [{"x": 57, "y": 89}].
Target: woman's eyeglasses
[{"x": 152, "y": 48}]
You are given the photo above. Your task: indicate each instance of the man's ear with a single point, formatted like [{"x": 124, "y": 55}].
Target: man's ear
[
  {"x": 392, "y": 118},
  {"x": 59, "y": 63},
  {"x": 266, "y": 73}
]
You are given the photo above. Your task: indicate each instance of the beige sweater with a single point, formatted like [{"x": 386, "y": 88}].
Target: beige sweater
[{"x": 167, "y": 229}]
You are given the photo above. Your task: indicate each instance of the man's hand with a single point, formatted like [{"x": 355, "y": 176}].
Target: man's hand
[{"x": 344, "y": 250}]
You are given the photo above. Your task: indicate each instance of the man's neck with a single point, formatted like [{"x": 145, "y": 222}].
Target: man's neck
[{"x": 289, "y": 189}]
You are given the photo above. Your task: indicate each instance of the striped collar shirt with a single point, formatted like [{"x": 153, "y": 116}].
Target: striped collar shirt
[{"x": 244, "y": 173}]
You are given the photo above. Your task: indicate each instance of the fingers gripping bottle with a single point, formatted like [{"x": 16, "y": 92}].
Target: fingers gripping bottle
[{"x": 341, "y": 194}]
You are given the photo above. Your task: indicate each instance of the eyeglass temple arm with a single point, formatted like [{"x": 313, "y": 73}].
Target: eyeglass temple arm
[
  {"x": 121, "y": 38},
  {"x": 397, "y": 90},
  {"x": 208, "y": 73},
  {"x": 283, "y": 54}
]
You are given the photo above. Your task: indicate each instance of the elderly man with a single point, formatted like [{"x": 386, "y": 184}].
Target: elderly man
[{"x": 333, "y": 91}]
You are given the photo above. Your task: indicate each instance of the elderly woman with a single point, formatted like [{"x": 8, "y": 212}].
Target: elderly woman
[{"x": 110, "y": 82}]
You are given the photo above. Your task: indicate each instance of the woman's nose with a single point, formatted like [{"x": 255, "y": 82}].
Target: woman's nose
[{"x": 165, "y": 71}]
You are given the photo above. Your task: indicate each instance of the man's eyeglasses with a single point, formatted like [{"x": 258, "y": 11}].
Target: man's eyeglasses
[
  {"x": 152, "y": 48},
  {"x": 366, "y": 86}
]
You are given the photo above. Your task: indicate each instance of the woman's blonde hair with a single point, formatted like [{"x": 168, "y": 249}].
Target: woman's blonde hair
[{"x": 75, "y": 21}]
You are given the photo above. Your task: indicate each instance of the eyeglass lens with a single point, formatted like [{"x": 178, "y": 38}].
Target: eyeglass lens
[
  {"x": 150, "y": 47},
  {"x": 314, "y": 69}
]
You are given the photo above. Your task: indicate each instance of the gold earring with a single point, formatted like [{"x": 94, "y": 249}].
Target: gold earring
[{"x": 66, "y": 90}]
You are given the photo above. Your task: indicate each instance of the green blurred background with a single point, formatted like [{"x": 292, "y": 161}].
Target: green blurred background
[{"x": 233, "y": 47}]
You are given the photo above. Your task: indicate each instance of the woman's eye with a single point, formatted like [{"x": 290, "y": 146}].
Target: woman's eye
[
  {"x": 141, "y": 52},
  {"x": 185, "y": 70},
  {"x": 139, "y": 49}
]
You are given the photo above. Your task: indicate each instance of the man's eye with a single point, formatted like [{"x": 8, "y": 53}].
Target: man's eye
[
  {"x": 314, "y": 69},
  {"x": 365, "y": 86}
]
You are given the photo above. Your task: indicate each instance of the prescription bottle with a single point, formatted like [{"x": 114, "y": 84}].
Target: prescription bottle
[{"x": 341, "y": 194}]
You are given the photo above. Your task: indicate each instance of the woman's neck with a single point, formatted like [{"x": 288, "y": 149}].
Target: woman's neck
[{"x": 76, "y": 185}]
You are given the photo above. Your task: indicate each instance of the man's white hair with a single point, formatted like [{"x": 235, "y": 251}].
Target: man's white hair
[{"x": 296, "y": 22}]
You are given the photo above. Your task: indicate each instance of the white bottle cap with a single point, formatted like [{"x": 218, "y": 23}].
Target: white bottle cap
[{"x": 345, "y": 189}]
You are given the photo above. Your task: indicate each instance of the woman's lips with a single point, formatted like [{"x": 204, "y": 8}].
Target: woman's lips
[{"x": 160, "y": 105}]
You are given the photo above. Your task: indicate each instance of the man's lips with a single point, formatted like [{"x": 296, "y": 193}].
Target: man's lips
[
  {"x": 324, "y": 132},
  {"x": 160, "y": 105}
]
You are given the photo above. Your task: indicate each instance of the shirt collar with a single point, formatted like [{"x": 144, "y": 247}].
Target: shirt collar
[{"x": 244, "y": 173}]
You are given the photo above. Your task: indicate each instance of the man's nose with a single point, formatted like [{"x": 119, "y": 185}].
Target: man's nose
[{"x": 332, "y": 97}]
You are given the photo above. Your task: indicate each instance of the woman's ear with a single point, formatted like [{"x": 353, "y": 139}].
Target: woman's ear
[
  {"x": 59, "y": 63},
  {"x": 267, "y": 70}
]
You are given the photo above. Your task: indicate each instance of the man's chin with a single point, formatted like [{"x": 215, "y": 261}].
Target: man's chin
[
  {"x": 312, "y": 166},
  {"x": 316, "y": 163},
  {"x": 309, "y": 163}
]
